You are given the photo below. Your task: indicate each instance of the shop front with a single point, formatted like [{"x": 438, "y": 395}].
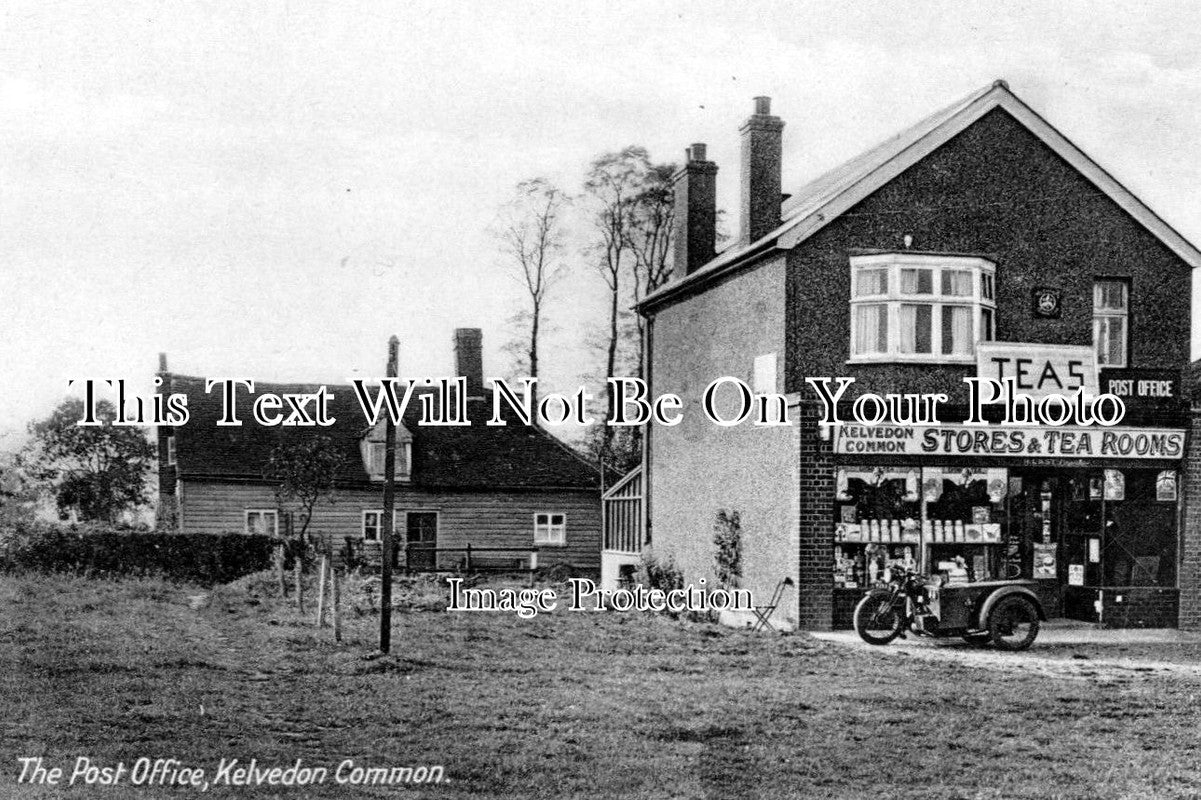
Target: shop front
[{"x": 1092, "y": 514}]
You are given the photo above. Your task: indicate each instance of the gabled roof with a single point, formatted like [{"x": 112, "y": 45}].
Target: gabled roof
[
  {"x": 822, "y": 200},
  {"x": 476, "y": 457}
]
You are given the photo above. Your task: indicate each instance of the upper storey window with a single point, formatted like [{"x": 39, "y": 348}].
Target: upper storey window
[
  {"x": 910, "y": 307},
  {"x": 1111, "y": 311}
]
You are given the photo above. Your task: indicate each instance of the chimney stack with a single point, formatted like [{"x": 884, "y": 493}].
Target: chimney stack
[
  {"x": 695, "y": 224},
  {"x": 469, "y": 360},
  {"x": 762, "y": 135}
]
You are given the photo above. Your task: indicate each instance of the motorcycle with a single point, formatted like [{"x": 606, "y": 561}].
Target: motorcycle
[{"x": 1006, "y": 613}]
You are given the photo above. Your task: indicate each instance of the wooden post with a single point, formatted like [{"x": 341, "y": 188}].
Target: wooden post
[
  {"x": 385, "y": 589},
  {"x": 297, "y": 563},
  {"x": 280, "y": 557},
  {"x": 337, "y": 601},
  {"x": 468, "y": 567},
  {"x": 321, "y": 581},
  {"x": 533, "y": 564}
]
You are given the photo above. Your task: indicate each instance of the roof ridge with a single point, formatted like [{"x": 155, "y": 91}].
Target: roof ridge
[
  {"x": 931, "y": 121},
  {"x": 828, "y": 196}
]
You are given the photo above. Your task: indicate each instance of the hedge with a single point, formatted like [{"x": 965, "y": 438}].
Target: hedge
[{"x": 101, "y": 551}]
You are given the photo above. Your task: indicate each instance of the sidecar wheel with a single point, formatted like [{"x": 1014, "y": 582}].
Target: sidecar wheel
[
  {"x": 1013, "y": 624},
  {"x": 876, "y": 621},
  {"x": 976, "y": 639}
]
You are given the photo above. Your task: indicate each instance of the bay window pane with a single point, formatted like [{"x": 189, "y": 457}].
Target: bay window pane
[
  {"x": 871, "y": 282},
  {"x": 871, "y": 329},
  {"x": 986, "y": 325},
  {"x": 916, "y": 323},
  {"x": 956, "y": 330},
  {"x": 917, "y": 281},
  {"x": 957, "y": 282},
  {"x": 986, "y": 286}
]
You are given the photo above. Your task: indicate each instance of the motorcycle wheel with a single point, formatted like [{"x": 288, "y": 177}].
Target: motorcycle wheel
[
  {"x": 1013, "y": 624},
  {"x": 876, "y": 621}
]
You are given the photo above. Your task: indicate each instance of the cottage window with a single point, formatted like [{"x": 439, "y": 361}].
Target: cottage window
[
  {"x": 375, "y": 459},
  {"x": 262, "y": 521},
  {"x": 921, "y": 308},
  {"x": 1111, "y": 309},
  {"x": 373, "y": 525},
  {"x": 550, "y": 529}
]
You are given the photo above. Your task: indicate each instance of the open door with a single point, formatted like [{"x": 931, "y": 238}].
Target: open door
[{"x": 421, "y": 530}]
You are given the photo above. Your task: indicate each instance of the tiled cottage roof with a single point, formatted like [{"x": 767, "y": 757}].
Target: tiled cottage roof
[{"x": 515, "y": 456}]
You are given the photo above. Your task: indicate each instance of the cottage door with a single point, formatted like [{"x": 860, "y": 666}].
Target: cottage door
[{"x": 422, "y": 539}]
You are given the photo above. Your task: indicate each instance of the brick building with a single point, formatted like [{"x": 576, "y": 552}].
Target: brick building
[
  {"x": 979, "y": 242},
  {"x": 505, "y": 489}
]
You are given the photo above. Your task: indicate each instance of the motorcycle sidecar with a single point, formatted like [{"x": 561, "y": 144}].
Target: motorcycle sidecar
[{"x": 1007, "y": 613}]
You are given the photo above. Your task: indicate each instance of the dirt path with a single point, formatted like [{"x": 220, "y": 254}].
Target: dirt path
[{"x": 1085, "y": 660}]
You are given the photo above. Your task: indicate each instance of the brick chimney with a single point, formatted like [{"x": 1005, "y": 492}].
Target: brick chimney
[
  {"x": 695, "y": 224},
  {"x": 762, "y": 135},
  {"x": 469, "y": 360}
]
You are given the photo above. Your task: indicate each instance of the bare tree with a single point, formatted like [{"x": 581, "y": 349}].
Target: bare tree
[
  {"x": 650, "y": 241},
  {"x": 531, "y": 238},
  {"x": 612, "y": 186}
]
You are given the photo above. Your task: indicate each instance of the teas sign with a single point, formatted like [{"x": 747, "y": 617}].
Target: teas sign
[
  {"x": 1009, "y": 441},
  {"x": 1039, "y": 370}
]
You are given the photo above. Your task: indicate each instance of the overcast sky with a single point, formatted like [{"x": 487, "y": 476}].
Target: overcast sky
[{"x": 271, "y": 189}]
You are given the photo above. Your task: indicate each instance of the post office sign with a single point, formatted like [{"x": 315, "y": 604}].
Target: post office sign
[{"x": 1143, "y": 388}]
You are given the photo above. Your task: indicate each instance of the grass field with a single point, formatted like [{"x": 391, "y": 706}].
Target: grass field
[{"x": 564, "y": 705}]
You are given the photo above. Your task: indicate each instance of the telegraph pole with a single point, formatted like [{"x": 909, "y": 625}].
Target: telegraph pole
[{"x": 385, "y": 591}]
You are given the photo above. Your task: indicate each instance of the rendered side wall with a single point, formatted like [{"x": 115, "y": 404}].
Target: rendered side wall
[{"x": 698, "y": 468}]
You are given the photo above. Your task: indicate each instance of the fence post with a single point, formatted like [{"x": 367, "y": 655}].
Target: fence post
[
  {"x": 533, "y": 564},
  {"x": 280, "y": 557},
  {"x": 323, "y": 577},
  {"x": 468, "y": 567},
  {"x": 337, "y": 601}
]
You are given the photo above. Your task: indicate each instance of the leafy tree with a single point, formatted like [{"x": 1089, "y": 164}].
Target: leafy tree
[
  {"x": 18, "y": 493},
  {"x": 305, "y": 473},
  {"x": 94, "y": 471}
]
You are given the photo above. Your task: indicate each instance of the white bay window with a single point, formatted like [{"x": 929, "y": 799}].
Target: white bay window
[{"x": 920, "y": 308}]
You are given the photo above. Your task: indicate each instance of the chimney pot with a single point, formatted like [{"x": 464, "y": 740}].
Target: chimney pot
[
  {"x": 162, "y": 362},
  {"x": 697, "y": 152},
  {"x": 763, "y": 106}
]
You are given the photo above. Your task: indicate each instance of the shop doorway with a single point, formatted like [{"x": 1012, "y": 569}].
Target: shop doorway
[{"x": 1091, "y": 536}]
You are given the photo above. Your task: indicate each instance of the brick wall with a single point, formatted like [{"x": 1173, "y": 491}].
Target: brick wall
[
  {"x": 1189, "y": 573},
  {"x": 815, "y": 583},
  {"x": 1139, "y": 607},
  {"x": 996, "y": 190}
]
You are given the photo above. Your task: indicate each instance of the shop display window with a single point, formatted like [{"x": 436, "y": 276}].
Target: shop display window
[{"x": 944, "y": 520}]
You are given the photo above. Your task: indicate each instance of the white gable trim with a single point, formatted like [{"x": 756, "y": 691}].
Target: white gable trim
[{"x": 796, "y": 231}]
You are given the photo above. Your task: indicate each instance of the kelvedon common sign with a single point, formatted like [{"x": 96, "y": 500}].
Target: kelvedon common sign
[{"x": 1008, "y": 441}]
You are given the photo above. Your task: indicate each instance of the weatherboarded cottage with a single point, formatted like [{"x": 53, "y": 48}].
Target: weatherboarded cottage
[
  {"x": 980, "y": 242},
  {"x": 506, "y": 491}
]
